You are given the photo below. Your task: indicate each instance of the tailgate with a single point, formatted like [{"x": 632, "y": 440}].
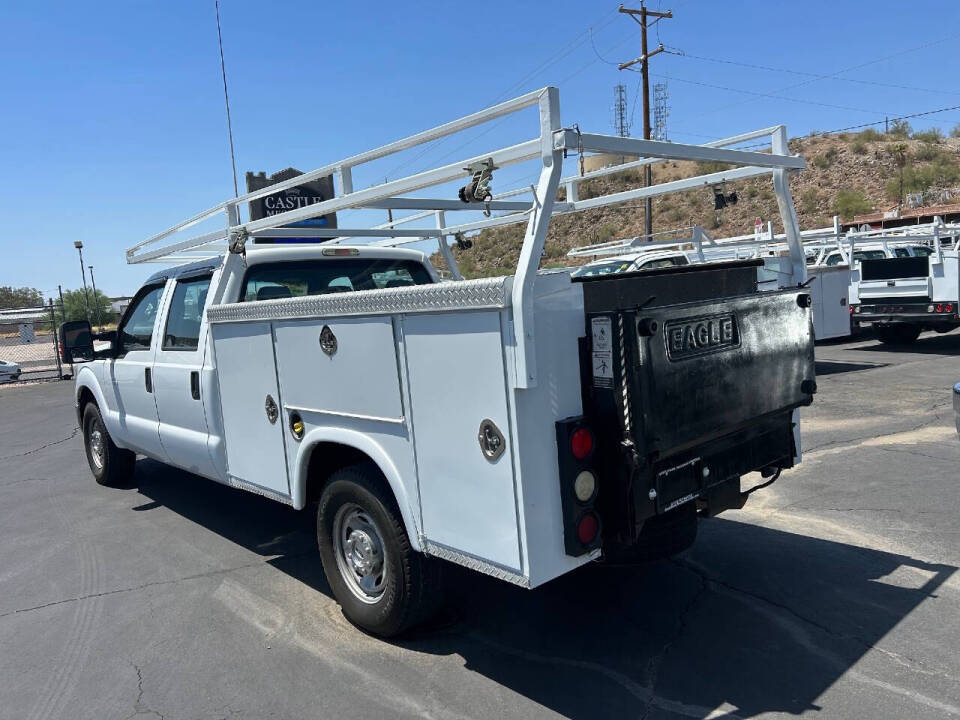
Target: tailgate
[{"x": 707, "y": 369}]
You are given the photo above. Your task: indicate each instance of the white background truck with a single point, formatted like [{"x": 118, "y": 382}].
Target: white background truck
[
  {"x": 913, "y": 286},
  {"x": 521, "y": 426}
]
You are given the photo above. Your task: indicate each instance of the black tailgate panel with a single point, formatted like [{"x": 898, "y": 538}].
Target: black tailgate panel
[
  {"x": 893, "y": 268},
  {"x": 711, "y": 368}
]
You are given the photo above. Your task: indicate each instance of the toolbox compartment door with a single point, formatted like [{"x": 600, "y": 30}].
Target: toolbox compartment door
[{"x": 711, "y": 368}]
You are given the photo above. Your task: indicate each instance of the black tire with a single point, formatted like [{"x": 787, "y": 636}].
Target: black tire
[
  {"x": 405, "y": 589},
  {"x": 663, "y": 536},
  {"x": 111, "y": 466},
  {"x": 898, "y": 333}
]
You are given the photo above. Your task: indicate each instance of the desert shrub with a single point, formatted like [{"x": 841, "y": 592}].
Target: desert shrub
[
  {"x": 870, "y": 135},
  {"x": 808, "y": 201},
  {"x": 955, "y": 132},
  {"x": 825, "y": 160},
  {"x": 858, "y": 147},
  {"x": 705, "y": 168},
  {"x": 848, "y": 203},
  {"x": 933, "y": 135},
  {"x": 900, "y": 129},
  {"x": 925, "y": 153}
]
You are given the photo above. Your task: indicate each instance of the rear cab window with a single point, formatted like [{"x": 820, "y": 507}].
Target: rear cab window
[{"x": 269, "y": 281}]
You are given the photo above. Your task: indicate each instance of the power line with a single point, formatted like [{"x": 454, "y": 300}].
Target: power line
[
  {"x": 578, "y": 40},
  {"x": 771, "y": 95},
  {"x": 817, "y": 76},
  {"x": 840, "y": 72}
]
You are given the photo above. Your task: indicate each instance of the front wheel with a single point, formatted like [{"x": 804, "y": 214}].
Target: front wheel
[
  {"x": 110, "y": 465},
  {"x": 383, "y": 585}
]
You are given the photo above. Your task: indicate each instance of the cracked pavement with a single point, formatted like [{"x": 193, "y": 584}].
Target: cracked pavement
[{"x": 834, "y": 593}]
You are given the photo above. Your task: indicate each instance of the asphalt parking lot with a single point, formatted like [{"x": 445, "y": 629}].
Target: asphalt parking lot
[{"x": 833, "y": 594}]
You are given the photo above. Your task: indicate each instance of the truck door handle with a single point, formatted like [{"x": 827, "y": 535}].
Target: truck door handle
[
  {"x": 195, "y": 384},
  {"x": 147, "y": 380}
]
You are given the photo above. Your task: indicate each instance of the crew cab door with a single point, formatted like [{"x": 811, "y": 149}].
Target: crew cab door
[
  {"x": 130, "y": 375},
  {"x": 178, "y": 377}
]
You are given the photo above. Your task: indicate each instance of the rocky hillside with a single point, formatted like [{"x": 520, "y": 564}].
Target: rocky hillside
[{"x": 847, "y": 174}]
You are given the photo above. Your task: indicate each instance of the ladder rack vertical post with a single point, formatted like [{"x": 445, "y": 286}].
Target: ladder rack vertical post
[
  {"x": 534, "y": 238},
  {"x": 781, "y": 186},
  {"x": 445, "y": 250}
]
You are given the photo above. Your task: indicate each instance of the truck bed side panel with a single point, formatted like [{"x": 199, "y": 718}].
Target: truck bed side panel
[
  {"x": 456, "y": 371},
  {"x": 246, "y": 371}
]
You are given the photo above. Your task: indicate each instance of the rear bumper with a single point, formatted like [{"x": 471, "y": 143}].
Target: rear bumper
[{"x": 915, "y": 313}]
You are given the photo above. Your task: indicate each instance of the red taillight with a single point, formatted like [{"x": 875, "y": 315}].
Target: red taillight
[
  {"x": 587, "y": 528},
  {"x": 939, "y": 308},
  {"x": 581, "y": 443},
  {"x": 948, "y": 307}
]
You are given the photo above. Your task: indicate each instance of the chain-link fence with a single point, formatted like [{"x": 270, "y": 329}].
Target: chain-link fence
[{"x": 28, "y": 344}]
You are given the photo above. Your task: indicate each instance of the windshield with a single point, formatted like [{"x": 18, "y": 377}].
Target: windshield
[
  {"x": 270, "y": 281},
  {"x": 607, "y": 268}
]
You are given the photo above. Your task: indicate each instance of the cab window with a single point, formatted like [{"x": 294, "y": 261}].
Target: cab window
[
  {"x": 186, "y": 312},
  {"x": 901, "y": 252},
  {"x": 674, "y": 261},
  {"x": 136, "y": 328},
  {"x": 271, "y": 281},
  {"x": 922, "y": 251}
]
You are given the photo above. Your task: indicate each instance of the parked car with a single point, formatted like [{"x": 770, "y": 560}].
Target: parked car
[{"x": 9, "y": 371}]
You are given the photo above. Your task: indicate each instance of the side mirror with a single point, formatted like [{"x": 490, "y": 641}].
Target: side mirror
[{"x": 76, "y": 341}]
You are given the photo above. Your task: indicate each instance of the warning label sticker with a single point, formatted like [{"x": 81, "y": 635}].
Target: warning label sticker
[{"x": 602, "y": 337}]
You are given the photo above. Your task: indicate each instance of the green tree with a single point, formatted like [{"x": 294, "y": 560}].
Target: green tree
[
  {"x": 75, "y": 308},
  {"x": 11, "y": 297},
  {"x": 851, "y": 202}
]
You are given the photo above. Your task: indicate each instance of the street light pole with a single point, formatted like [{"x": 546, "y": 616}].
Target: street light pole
[
  {"x": 96, "y": 300},
  {"x": 83, "y": 272}
]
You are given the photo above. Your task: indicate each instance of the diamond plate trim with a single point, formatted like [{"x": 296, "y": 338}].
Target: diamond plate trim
[
  {"x": 257, "y": 490},
  {"x": 473, "y": 563},
  {"x": 458, "y": 295}
]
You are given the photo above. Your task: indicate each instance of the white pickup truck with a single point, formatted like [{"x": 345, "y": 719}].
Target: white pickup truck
[{"x": 521, "y": 426}]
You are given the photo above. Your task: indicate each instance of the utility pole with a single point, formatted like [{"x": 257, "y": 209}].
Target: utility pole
[
  {"x": 643, "y": 60},
  {"x": 95, "y": 299},
  {"x": 83, "y": 272}
]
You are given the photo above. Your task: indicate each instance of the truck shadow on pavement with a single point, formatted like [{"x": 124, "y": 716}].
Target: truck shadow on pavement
[
  {"x": 927, "y": 344},
  {"x": 751, "y": 620}
]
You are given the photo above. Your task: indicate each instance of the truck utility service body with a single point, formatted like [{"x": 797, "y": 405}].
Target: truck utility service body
[
  {"x": 521, "y": 425},
  {"x": 915, "y": 286}
]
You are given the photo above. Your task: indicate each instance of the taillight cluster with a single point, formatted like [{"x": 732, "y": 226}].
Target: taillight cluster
[
  {"x": 940, "y": 308},
  {"x": 576, "y": 446}
]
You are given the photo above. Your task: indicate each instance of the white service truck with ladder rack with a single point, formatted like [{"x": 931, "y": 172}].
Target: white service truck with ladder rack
[{"x": 521, "y": 426}]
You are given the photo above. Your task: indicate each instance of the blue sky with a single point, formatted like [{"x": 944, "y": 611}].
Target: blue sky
[{"x": 113, "y": 127}]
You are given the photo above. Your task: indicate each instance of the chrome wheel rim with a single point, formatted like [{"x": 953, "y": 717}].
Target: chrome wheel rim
[
  {"x": 361, "y": 557},
  {"x": 97, "y": 447}
]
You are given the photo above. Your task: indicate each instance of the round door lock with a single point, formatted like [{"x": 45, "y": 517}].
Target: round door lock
[
  {"x": 492, "y": 442},
  {"x": 328, "y": 341},
  {"x": 273, "y": 412}
]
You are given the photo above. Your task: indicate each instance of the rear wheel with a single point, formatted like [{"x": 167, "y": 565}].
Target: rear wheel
[
  {"x": 897, "y": 333},
  {"x": 383, "y": 585},
  {"x": 110, "y": 465}
]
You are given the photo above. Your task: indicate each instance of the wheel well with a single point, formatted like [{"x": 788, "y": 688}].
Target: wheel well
[
  {"x": 328, "y": 457},
  {"x": 85, "y": 397}
]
